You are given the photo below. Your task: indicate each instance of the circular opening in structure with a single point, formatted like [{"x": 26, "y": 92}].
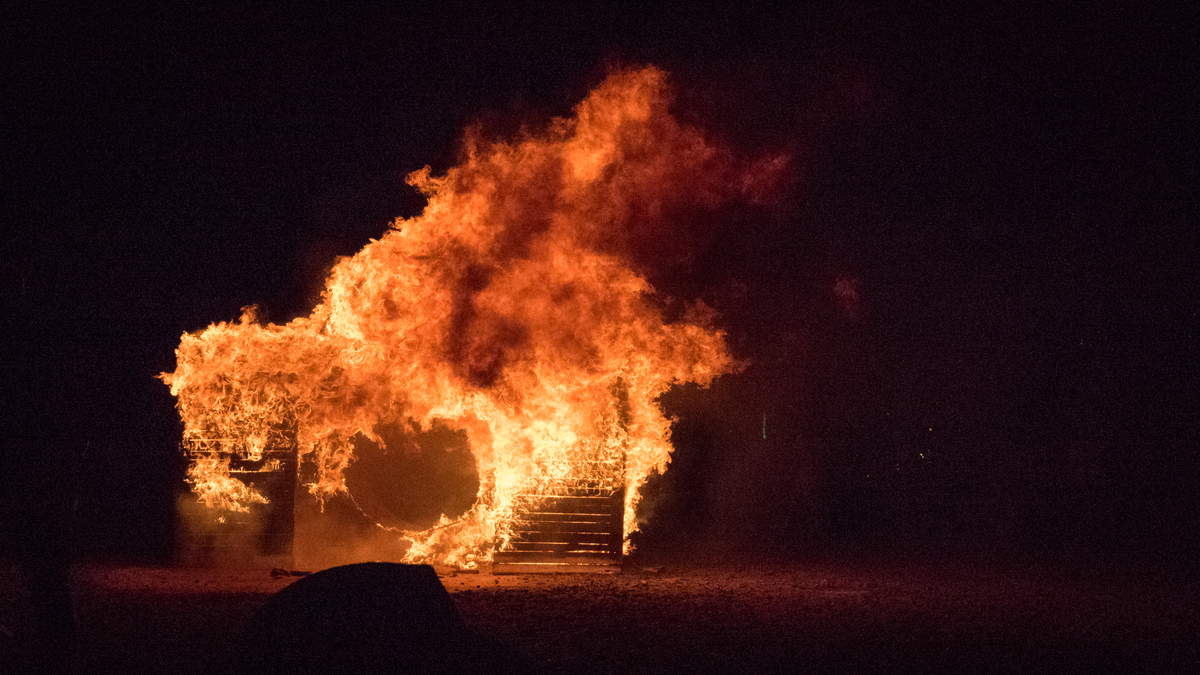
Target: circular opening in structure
[{"x": 414, "y": 477}]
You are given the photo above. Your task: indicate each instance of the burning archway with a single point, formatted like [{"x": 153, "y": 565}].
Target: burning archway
[{"x": 507, "y": 310}]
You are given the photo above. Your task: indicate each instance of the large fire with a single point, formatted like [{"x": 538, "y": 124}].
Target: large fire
[{"x": 507, "y": 310}]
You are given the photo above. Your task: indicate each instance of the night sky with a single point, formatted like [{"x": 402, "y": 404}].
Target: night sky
[{"x": 969, "y": 317}]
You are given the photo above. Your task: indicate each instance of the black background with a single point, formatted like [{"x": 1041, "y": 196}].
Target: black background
[{"x": 1010, "y": 195}]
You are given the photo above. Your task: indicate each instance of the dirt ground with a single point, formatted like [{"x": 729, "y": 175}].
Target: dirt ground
[{"x": 689, "y": 617}]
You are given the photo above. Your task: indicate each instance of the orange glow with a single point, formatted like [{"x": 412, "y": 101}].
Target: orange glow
[{"x": 506, "y": 309}]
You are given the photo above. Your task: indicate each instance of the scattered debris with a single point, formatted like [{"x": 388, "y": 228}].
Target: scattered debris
[{"x": 453, "y": 571}]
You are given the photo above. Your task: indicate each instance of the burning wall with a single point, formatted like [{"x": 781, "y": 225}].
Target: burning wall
[{"x": 507, "y": 309}]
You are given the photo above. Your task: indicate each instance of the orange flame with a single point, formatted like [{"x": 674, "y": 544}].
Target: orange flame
[{"x": 506, "y": 310}]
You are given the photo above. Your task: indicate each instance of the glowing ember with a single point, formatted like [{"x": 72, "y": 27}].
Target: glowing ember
[{"x": 506, "y": 310}]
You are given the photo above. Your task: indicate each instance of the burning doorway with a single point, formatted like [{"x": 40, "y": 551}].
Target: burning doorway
[{"x": 511, "y": 311}]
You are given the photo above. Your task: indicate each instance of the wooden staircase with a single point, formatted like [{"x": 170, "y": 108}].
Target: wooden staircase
[{"x": 569, "y": 526}]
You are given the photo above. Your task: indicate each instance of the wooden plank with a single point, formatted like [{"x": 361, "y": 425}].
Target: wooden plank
[
  {"x": 563, "y": 527},
  {"x": 552, "y": 492},
  {"x": 607, "y": 561},
  {"x": 576, "y": 530},
  {"x": 555, "y": 553},
  {"x": 555, "y": 542},
  {"x": 606, "y": 520},
  {"x": 550, "y": 547},
  {"x": 540, "y": 497},
  {"x": 585, "y": 480},
  {"x": 557, "y": 547},
  {"x": 582, "y": 537},
  {"x": 608, "y": 484},
  {"x": 572, "y": 491},
  {"x": 553, "y": 568},
  {"x": 610, "y": 519},
  {"x": 565, "y": 558},
  {"x": 563, "y": 547},
  {"x": 590, "y": 505}
]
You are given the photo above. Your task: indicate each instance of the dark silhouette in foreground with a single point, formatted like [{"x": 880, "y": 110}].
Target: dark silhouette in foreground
[{"x": 364, "y": 618}]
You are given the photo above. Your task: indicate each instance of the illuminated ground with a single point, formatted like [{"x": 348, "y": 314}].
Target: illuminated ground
[{"x": 700, "y": 618}]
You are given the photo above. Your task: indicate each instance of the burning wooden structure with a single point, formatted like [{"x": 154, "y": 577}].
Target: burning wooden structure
[
  {"x": 572, "y": 526},
  {"x": 260, "y": 531},
  {"x": 514, "y": 309},
  {"x": 246, "y": 483}
]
